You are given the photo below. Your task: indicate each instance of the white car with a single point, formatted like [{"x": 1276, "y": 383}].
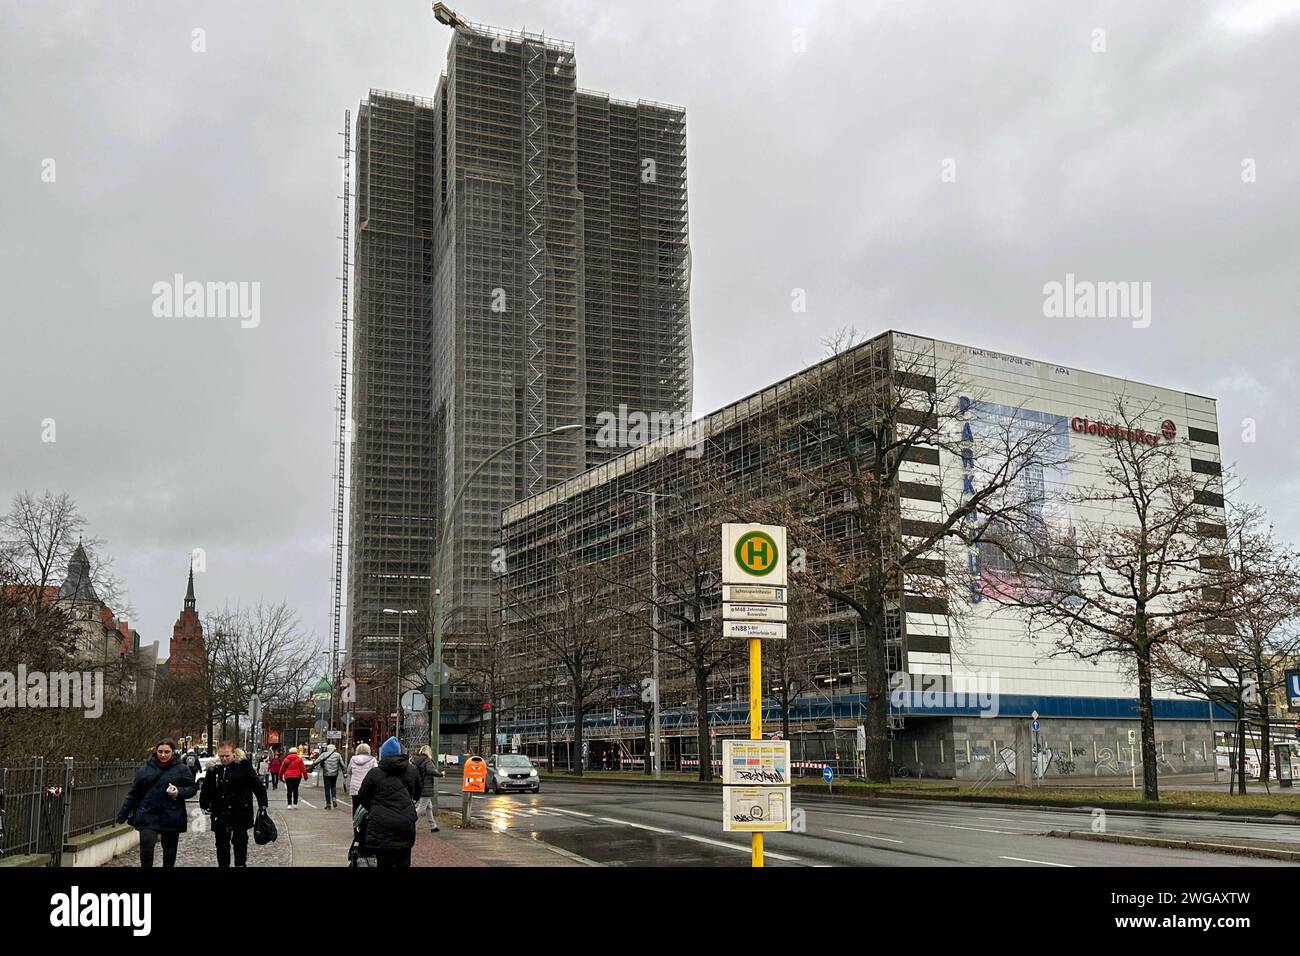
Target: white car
[{"x": 507, "y": 772}]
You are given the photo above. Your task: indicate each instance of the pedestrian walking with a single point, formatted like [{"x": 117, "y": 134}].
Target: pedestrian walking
[
  {"x": 388, "y": 795},
  {"x": 362, "y": 763},
  {"x": 429, "y": 771},
  {"x": 274, "y": 768},
  {"x": 292, "y": 771},
  {"x": 330, "y": 764},
  {"x": 228, "y": 792},
  {"x": 155, "y": 804},
  {"x": 264, "y": 769}
]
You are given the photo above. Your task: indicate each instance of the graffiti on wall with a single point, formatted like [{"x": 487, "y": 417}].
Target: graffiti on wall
[{"x": 1043, "y": 757}]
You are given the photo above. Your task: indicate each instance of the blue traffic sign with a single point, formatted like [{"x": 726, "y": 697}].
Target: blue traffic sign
[
  {"x": 827, "y": 773},
  {"x": 1034, "y": 724}
]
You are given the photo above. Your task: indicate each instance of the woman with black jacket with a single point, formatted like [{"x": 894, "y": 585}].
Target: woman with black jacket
[
  {"x": 155, "y": 805},
  {"x": 227, "y": 794},
  {"x": 389, "y": 793}
]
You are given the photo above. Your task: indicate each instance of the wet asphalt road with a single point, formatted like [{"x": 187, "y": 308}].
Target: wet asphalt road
[{"x": 634, "y": 825}]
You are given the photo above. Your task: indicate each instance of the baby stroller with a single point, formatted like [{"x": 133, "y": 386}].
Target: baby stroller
[{"x": 358, "y": 855}]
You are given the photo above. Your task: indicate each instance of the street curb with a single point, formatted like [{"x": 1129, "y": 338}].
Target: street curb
[
  {"x": 982, "y": 800},
  {"x": 1170, "y": 844},
  {"x": 554, "y": 849}
]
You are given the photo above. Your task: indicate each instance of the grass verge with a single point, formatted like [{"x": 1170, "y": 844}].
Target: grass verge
[{"x": 1171, "y": 801}]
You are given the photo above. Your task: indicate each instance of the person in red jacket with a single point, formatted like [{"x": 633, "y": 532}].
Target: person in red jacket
[
  {"x": 274, "y": 770},
  {"x": 292, "y": 770}
]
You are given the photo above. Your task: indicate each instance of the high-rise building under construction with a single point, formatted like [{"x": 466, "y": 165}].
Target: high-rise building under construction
[{"x": 522, "y": 263}]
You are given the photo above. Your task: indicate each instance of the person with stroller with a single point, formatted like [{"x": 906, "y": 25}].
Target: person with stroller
[{"x": 388, "y": 794}]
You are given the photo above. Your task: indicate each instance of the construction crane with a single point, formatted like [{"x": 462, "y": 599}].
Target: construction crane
[{"x": 446, "y": 15}]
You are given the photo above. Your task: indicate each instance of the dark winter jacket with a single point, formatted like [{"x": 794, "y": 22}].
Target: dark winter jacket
[
  {"x": 147, "y": 805},
  {"x": 428, "y": 771},
  {"x": 389, "y": 793},
  {"x": 228, "y": 794}
]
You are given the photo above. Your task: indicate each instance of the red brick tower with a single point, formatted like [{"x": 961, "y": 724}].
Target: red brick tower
[{"x": 187, "y": 649}]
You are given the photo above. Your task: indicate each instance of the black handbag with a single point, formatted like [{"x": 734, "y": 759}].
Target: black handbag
[{"x": 264, "y": 829}]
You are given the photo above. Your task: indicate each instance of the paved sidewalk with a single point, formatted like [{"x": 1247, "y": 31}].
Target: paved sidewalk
[
  {"x": 482, "y": 846},
  {"x": 317, "y": 837},
  {"x": 199, "y": 847}
]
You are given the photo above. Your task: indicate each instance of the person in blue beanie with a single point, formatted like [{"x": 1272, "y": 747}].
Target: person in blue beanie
[{"x": 388, "y": 793}]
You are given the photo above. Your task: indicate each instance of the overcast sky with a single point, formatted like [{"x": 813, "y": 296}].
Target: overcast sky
[{"x": 817, "y": 140}]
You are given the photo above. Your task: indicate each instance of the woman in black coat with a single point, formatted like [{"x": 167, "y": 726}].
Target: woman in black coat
[
  {"x": 389, "y": 793},
  {"x": 227, "y": 794},
  {"x": 155, "y": 804}
]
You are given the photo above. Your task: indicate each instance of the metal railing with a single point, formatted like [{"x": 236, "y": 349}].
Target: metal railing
[{"x": 42, "y": 804}]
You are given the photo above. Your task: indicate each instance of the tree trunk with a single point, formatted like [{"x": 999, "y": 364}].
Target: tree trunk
[
  {"x": 647, "y": 750},
  {"x": 492, "y": 725},
  {"x": 702, "y": 722},
  {"x": 1266, "y": 741},
  {"x": 1241, "y": 749},
  {"x": 876, "y": 719},
  {"x": 785, "y": 718},
  {"x": 577, "y": 762},
  {"x": 550, "y": 748},
  {"x": 1150, "y": 780}
]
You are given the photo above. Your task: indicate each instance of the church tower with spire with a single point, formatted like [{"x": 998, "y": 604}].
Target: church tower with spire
[{"x": 187, "y": 648}]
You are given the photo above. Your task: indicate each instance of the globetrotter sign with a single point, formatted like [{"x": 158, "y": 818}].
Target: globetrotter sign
[{"x": 1139, "y": 435}]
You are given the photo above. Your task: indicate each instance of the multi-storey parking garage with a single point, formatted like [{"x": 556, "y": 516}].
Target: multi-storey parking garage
[{"x": 587, "y": 540}]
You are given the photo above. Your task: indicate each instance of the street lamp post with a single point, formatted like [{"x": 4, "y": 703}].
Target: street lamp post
[
  {"x": 654, "y": 616},
  {"x": 389, "y": 610},
  {"x": 435, "y": 709}
]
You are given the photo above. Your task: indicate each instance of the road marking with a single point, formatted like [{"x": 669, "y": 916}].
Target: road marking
[
  {"x": 574, "y": 812},
  {"x": 865, "y": 836},
  {"x": 1019, "y": 859},
  {"x": 946, "y": 826},
  {"x": 639, "y": 826},
  {"x": 732, "y": 846}
]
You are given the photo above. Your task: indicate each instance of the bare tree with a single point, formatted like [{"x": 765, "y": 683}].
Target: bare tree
[
  {"x": 1142, "y": 572},
  {"x": 1242, "y": 660},
  {"x": 634, "y": 693},
  {"x": 791, "y": 665},
  {"x": 573, "y": 626},
  {"x": 257, "y": 650},
  {"x": 867, "y": 416},
  {"x": 686, "y": 588},
  {"x": 38, "y": 537}
]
